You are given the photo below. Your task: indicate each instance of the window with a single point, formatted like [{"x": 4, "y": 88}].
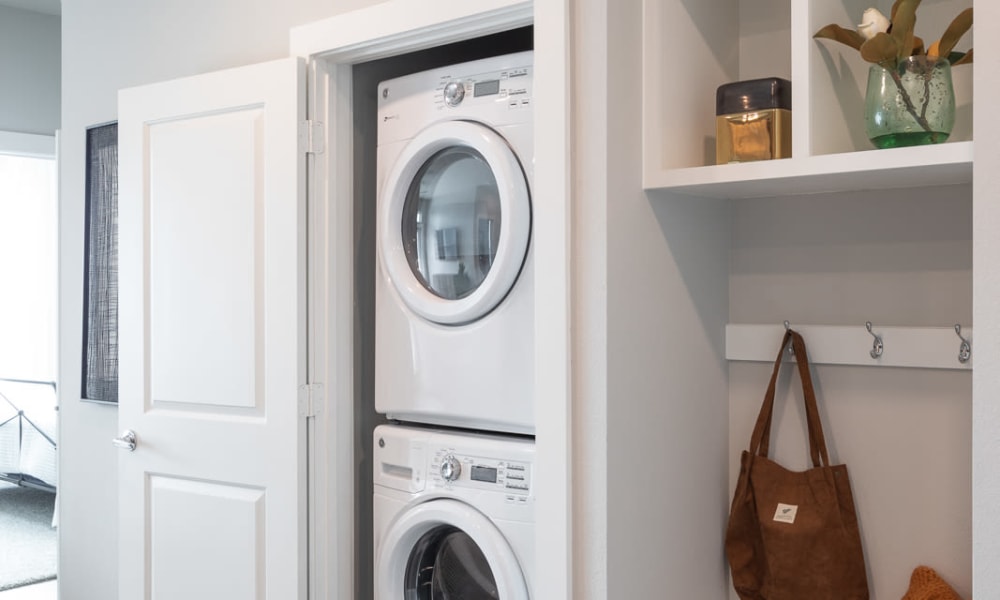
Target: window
[{"x": 29, "y": 263}]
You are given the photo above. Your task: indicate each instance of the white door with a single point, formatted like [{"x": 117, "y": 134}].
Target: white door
[
  {"x": 212, "y": 499},
  {"x": 455, "y": 222}
]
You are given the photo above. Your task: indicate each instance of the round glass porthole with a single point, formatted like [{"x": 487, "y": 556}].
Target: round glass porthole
[
  {"x": 446, "y": 564},
  {"x": 451, "y": 221},
  {"x": 454, "y": 222}
]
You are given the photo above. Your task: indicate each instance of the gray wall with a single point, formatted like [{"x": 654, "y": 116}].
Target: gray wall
[
  {"x": 29, "y": 71},
  {"x": 108, "y": 45},
  {"x": 896, "y": 258}
]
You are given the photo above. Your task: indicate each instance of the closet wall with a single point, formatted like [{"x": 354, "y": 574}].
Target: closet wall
[
  {"x": 690, "y": 254},
  {"x": 895, "y": 257},
  {"x": 901, "y": 258}
]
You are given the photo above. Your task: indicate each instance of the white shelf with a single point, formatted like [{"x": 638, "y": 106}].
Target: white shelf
[
  {"x": 721, "y": 41},
  {"x": 915, "y": 347},
  {"x": 917, "y": 166}
]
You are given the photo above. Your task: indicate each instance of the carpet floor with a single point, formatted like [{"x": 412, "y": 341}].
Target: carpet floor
[{"x": 27, "y": 538}]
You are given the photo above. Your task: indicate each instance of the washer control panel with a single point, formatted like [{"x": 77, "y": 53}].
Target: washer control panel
[{"x": 449, "y": 468}]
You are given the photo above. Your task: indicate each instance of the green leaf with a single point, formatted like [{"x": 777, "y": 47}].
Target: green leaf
[
  {"x": 881, "y": 49},
  {"x": 902, "y": 26},
  {"x": 835, "y": 32},
  {"x": 955, "y": 31},
  {"x": 966, "y": 59}
]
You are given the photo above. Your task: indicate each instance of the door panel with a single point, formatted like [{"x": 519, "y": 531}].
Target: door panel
[
  {"x": 212, "y": 501},
  {"x": 207, "y": 536},
  {"x": 205, "y": 209}
]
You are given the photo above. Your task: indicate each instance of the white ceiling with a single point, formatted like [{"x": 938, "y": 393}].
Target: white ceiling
[{"x": 49, "y": 7}]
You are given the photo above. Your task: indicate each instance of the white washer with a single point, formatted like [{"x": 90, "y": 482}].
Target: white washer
[
  {"x": 453, "y": 515},
  {"x": 454, "y": 321}
]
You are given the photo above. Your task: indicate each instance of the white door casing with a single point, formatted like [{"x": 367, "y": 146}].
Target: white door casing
[{"x": 212, "y": 502}]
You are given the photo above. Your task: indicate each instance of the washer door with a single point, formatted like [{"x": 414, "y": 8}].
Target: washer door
[
  {"x": 455, "y": 220},
  {"x": 446, "y": 550}
]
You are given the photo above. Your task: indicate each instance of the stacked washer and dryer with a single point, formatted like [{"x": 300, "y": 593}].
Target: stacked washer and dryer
[{"x": 454, "y": 341}]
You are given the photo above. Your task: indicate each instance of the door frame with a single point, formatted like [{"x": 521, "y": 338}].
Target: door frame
[{"x": 390, "y": 28}]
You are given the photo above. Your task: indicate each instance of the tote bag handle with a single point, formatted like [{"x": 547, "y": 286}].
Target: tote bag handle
[{"x": 761, "y": 437}]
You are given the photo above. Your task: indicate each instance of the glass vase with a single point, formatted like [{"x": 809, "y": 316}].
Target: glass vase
[{"x": 911, "y": 104}]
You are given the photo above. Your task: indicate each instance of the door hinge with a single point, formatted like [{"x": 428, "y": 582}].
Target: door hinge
[
  {"x": 311, "y": 400},
  {"x": 312, "y": 137}
]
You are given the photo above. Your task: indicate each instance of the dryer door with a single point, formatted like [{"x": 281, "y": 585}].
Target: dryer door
[
  {"x": 446, "y": 549},
  {"x": 455, "y": 220}
]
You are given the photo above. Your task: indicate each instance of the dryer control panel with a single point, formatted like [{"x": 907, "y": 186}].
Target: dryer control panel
[
  {"x": 510, "y": 88},
  {"x": 497, "y": 91},
  {"x": 451, "y": 468}
]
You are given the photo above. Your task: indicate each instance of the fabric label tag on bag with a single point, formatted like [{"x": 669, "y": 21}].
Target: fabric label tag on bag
[{"x": 786, "y": 513}]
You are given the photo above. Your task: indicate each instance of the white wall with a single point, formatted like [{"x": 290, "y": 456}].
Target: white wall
[
  {"x": 108, "y": 45},
  {"x": 895, "y": 258},
  {"x": 986, "y": 312},
  {"x": 660, "y": 416},
  {"x": 650, "y": 307},
  {"x": 29, "y": 71}
]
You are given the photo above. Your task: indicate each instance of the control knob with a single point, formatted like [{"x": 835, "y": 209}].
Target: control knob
[
  {"x": 454, "y": 92},
  {"x": 450, "y": 468}
]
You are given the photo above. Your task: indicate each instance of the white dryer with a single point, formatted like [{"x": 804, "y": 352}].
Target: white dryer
[
  {"x": 454, "y": 321},
  {"x": 453, "y": 515}
]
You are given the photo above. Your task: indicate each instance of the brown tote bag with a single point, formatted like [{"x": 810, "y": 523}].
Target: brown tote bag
[{"x": 794, "y": 535}]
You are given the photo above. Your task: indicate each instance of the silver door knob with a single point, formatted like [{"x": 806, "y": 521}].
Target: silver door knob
[{"x": 126, "y": 441}]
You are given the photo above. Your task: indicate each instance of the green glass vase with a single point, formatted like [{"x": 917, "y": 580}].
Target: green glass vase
[{"x": 911, "y": 104}]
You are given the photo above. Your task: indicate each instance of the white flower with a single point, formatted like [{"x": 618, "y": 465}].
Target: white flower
[{"x": 872, "y": 23}]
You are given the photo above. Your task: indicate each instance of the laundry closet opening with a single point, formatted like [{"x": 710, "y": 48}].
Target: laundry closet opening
[{"x": 365, "y": 79}]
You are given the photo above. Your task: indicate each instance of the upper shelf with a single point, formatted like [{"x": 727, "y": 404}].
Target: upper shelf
[
  {"x": 690, "y": 49},
  {"x": 918, "y": 166}
]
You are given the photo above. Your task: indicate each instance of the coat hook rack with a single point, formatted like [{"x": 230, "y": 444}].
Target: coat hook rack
[
  {"x": 877, "y": 346},
  {"x": 912, "y": 346},
  {"x": 965, "y": 349}
]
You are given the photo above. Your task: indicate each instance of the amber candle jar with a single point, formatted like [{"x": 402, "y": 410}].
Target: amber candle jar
[{"x": 753, "y": 120}]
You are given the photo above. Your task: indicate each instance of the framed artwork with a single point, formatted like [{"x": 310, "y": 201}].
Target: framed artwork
[{"x": 100, "y": 280}]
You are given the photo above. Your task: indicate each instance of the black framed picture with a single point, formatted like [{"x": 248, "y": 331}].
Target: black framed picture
[{"x": 100, "y": 279}]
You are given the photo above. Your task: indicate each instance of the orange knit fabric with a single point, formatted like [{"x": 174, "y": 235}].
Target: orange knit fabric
[{"x": 925, "y": 584}]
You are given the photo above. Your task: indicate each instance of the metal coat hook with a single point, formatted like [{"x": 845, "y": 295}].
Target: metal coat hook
[
  {"x": 877, "y": 345},
  {"x": 791, "y": 349},
  {"x": 965, "y": 349}
]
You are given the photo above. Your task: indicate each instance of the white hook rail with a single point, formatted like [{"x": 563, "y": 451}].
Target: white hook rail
[{"x": 916, "y": 347}]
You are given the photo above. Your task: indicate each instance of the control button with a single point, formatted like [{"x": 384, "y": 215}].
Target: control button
[
  {"x": 515, "y": 476},
  {"x": 512, "y": 467},
  {"x": 450, "y": 468},
  {"x": 454, "y": 93}
]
